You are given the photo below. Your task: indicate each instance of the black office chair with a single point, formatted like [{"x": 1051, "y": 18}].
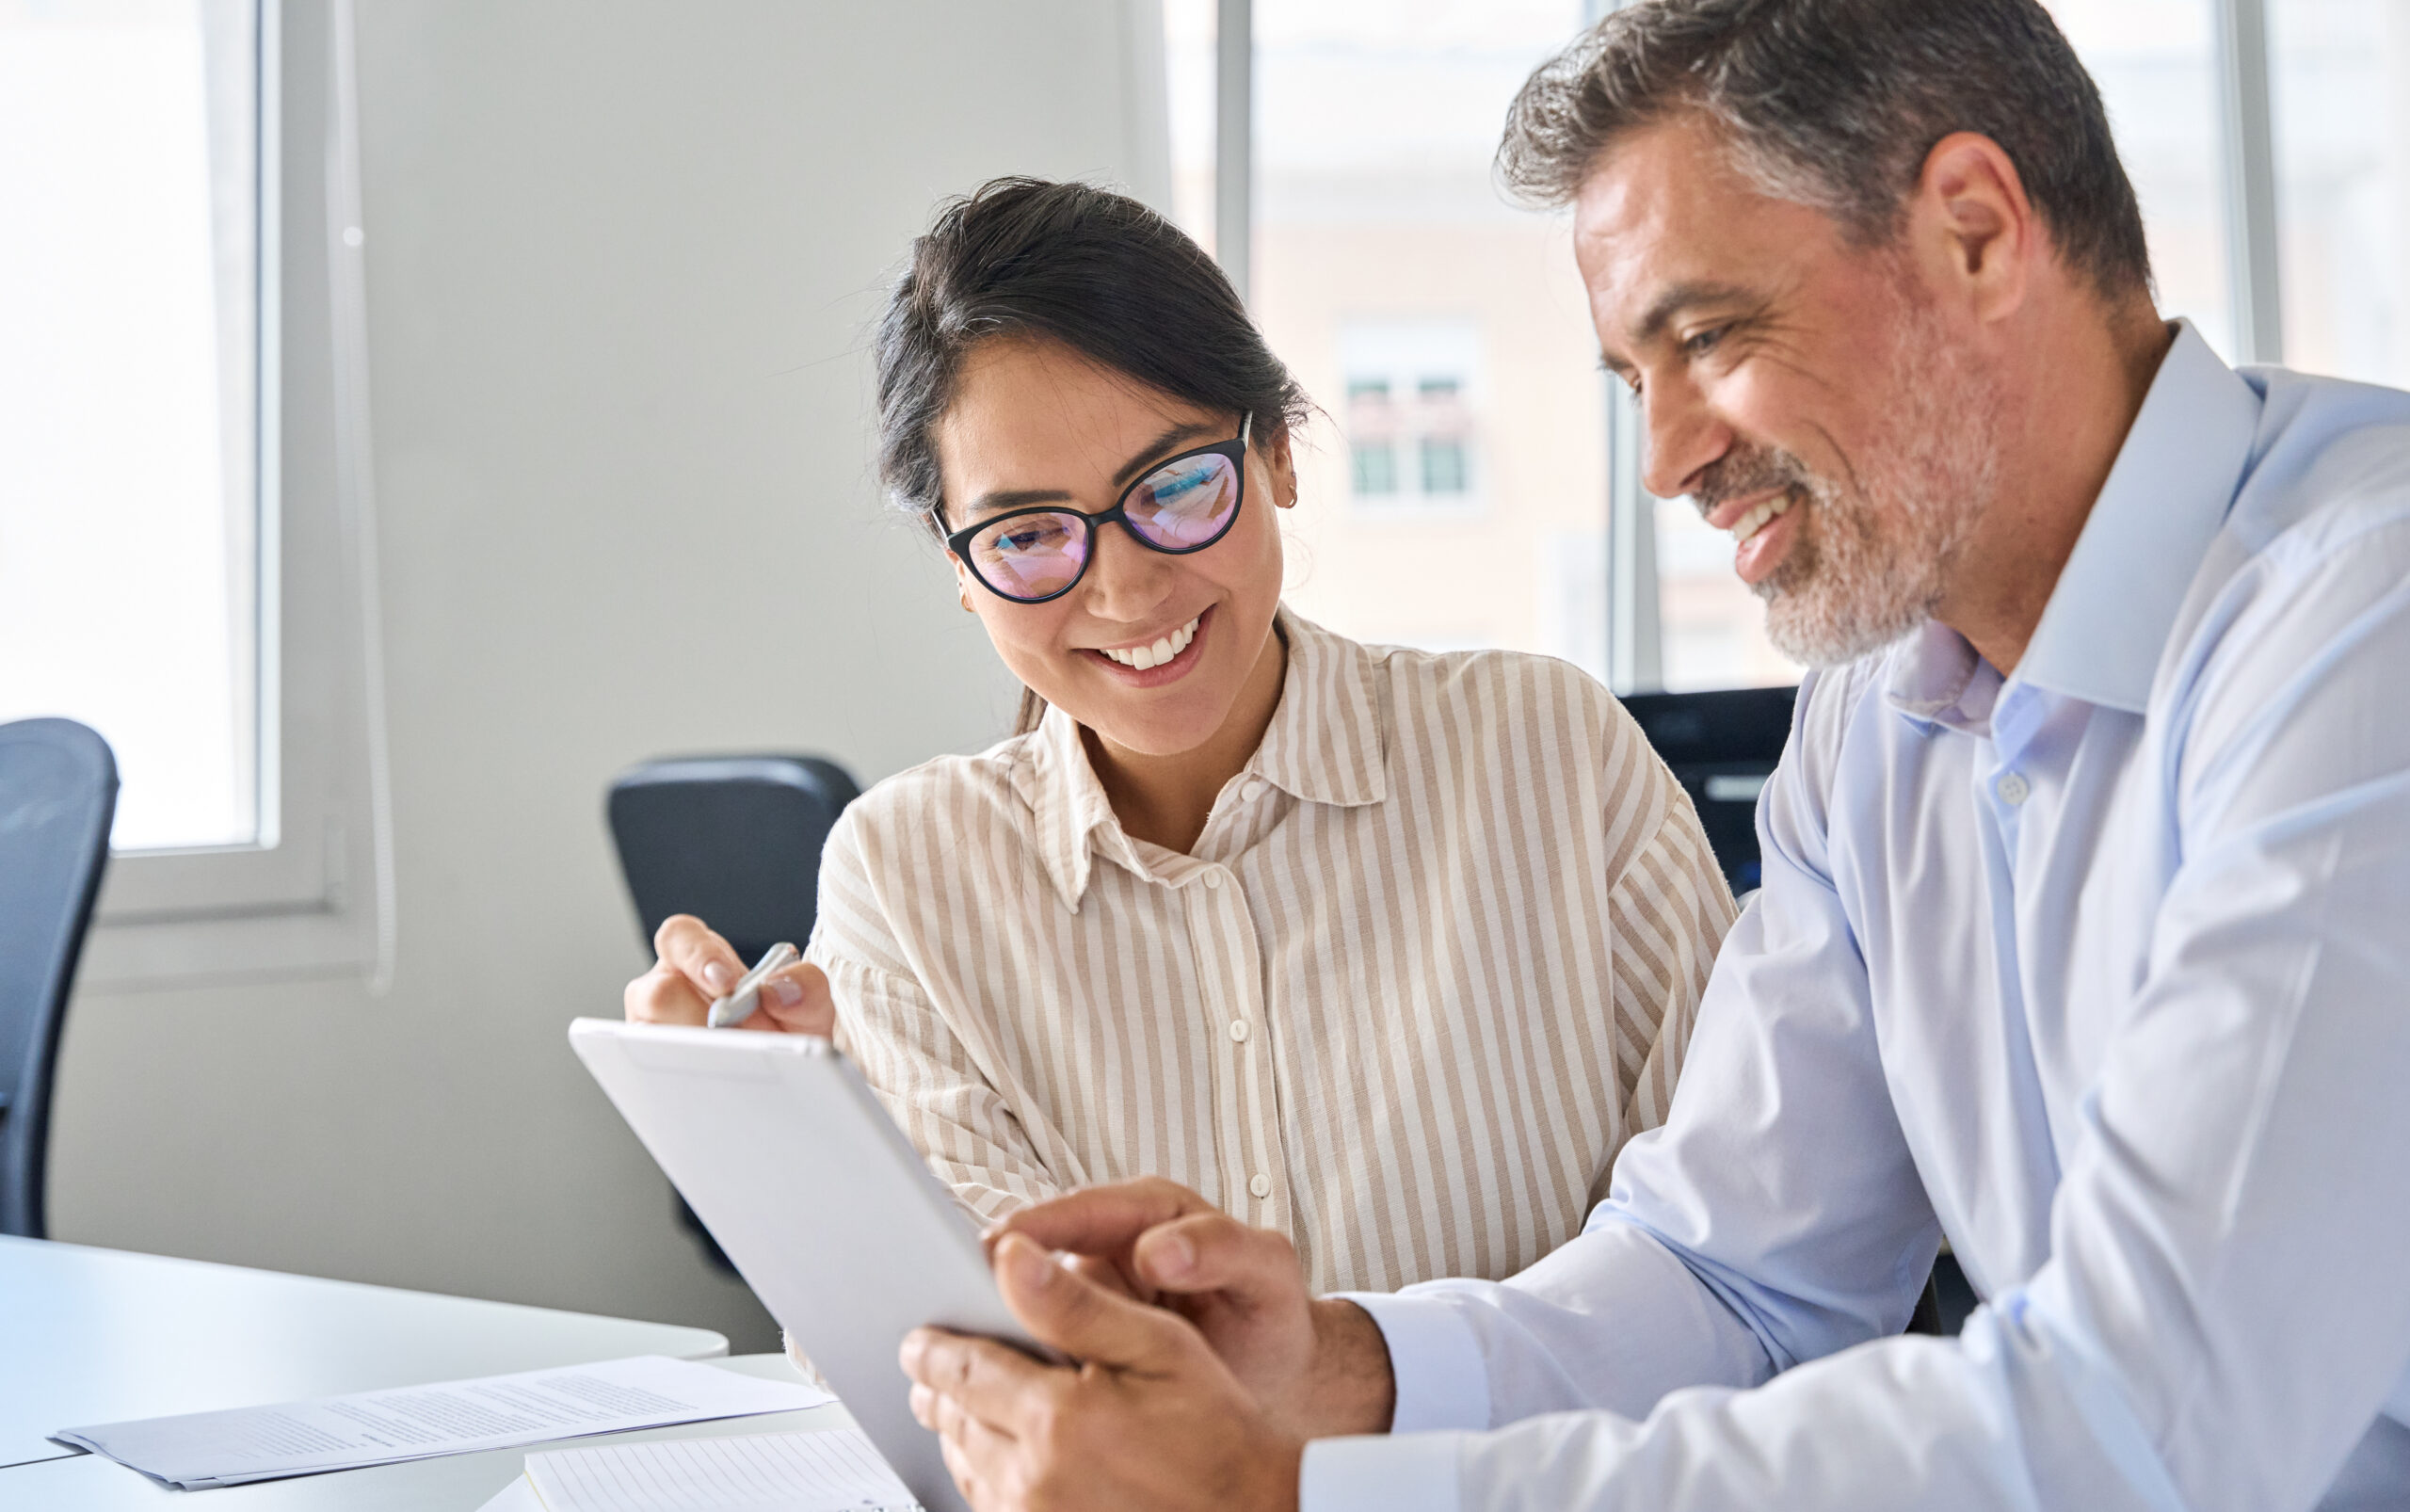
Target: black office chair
[
  {"x": 58, "y": 798},
  {"x": 734, "y": 841},
  {"x": 1722, "y": 747}
]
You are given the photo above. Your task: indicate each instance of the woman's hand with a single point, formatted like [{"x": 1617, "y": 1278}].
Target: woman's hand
[{"x": 696, "y": 967}]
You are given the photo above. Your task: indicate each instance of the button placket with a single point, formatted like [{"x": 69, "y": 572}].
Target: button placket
[
  {"x": 1249, "y": 1098},
  {"x": 1209, "y": 927}
]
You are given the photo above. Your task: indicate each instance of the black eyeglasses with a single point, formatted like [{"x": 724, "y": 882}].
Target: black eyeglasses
[{"x": 1180, "y": 506}]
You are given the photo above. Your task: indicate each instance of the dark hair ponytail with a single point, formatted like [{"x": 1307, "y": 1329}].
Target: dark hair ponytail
[{"x": 1095, "y": 271}]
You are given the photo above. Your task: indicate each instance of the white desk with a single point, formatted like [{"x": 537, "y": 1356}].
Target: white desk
[
  {"x": 101, "y": 1335},
  {"x": 460, "y": 1484}
]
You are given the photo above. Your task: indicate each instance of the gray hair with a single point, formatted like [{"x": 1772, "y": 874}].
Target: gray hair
[{"x": 1836, "y": 104}]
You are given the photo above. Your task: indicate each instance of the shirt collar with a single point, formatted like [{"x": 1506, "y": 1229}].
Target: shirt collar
[
  {"x": 1327, "y": 743},
  {"x": 2109, "y": 617},
  {"x": 1068, "y": 804}
]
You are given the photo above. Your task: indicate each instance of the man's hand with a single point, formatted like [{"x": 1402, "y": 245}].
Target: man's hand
[
  {"x": 1151, "y": 1419},
  {"x": 1317, "y": 1368},
  {"x": 696, "y": 966}
]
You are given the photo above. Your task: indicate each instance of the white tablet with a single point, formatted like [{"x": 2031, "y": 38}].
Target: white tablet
[{"x": 785, "y": 1152}]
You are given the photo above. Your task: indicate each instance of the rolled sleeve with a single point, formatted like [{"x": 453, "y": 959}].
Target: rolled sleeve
[
  {"x": 1414, "y": 1473},
  {"x": 1435, "y": 1357}
]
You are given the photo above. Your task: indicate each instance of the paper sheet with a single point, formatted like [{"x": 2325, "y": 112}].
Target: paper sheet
[
  {"x": 518, "y": 1496},
  {"x": 205, "y": 1449},
  {"x": 835, "y": 1471}
]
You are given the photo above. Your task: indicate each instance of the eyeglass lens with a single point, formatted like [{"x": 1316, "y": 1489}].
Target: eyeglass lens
[{"x": 1176, "y": 508}]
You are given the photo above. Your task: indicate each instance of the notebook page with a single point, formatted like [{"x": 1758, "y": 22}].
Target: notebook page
[
  {"x": 835, "y": 1471},
  {"x": 234, "y": 1446}
]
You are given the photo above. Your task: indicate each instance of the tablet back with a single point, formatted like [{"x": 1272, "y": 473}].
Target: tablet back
[{"x": 826, "y": 1209}]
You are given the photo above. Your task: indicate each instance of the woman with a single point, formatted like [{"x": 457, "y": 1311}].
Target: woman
[{"x": 1387, "y": 950}]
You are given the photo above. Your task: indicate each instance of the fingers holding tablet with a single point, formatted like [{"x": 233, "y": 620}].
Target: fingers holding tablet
[{"x": 1020, "y": 1433}]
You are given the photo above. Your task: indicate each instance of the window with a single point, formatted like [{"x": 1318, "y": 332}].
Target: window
[
  {"x": 1443, "y": 467},
  {"x": 1409, "y": 412},
  {"x": 2339, "y": 74},
  {"x": 2156, "y": 63},
  {"x": 187, "y": 562},
  {"x": 1192, "y": 77},
  {"x": 1458, "y": 497},
  {"x": 2268, "y": 144},
  {"x": 1372, "y": 437},
  {"x": 129, "y": 523}
]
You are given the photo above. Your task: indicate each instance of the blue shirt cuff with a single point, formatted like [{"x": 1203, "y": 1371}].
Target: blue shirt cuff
[
  {"x": 1442, "y": 1382},
  {"x": 1381, "y": 1474}
]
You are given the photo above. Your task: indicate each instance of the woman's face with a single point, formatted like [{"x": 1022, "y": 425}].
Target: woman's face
[{"x": 1033, "y": 417}]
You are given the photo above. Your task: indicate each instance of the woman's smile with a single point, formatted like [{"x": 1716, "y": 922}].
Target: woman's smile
[{"x": 1153, "y": 663}]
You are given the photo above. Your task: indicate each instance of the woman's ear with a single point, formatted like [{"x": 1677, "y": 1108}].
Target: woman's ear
[
  {"x": 961, "y": 583},
  {"x": 1282, "y": 468}
]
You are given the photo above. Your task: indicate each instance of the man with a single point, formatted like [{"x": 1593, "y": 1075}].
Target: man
[{"x": 2085, "y": 932}]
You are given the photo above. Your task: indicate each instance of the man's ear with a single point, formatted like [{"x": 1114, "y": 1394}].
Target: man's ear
[{"x": 1974, "y": 233}]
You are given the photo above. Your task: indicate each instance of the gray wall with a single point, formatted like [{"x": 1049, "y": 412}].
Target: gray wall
[{"x": 621, "y": 259}]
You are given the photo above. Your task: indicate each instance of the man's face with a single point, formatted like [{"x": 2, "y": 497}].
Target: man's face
[{"x": 1809, "y": 394}]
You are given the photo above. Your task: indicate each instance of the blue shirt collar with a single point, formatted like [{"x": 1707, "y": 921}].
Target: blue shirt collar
[{"x": 2117, "y": 600}]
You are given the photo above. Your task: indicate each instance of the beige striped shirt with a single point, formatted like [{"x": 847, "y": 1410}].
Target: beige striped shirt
[{"x": 1434, "y": 958}]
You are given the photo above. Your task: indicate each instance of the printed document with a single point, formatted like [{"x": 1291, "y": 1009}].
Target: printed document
[
  {"x": 834, "y": 1470},
  {"x": 259, "y": 1443}
]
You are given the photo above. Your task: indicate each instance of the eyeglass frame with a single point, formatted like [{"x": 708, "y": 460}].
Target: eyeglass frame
[{"x": 958, "y": 543}]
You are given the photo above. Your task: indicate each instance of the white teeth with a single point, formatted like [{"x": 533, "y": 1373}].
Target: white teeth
[
  {"x": 1143, "y": 657},
  {"x": 1757, "y": 518}
]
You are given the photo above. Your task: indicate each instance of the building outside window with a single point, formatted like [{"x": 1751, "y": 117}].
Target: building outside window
[
  {"x": 1461, "y": 473},
  {"x": 1409, "y": 420},
  {"x": 1446, "y": 438},
  {"x": 1371, "y": 437}
]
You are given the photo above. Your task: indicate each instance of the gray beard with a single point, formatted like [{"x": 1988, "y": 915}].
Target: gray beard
[{"x": 1869, "y": 564}]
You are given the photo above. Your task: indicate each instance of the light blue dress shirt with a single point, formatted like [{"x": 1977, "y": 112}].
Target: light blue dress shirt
[{"x": 2101, "y": 971}]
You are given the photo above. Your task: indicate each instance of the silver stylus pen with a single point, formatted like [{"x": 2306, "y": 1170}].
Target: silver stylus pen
[{"x": 746, "y": 994}]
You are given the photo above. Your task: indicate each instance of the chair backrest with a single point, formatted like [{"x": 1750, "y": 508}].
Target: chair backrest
[
  {"x": 734, "y": 839},
  {"x": 57, "y": 797},
  {"x": 1721, "y": 745}
]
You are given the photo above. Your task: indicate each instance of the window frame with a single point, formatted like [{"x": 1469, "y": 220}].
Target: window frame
[
  {"x": 313, "y": 895},
  {"x": 1635, "y": 628}
]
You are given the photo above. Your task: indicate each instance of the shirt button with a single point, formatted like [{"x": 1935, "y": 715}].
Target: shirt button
[
  {"x": 1253, "y": 790},
  {"x": 2014, "y": 790},
  {"x": 1238, "y": 1030},
  {"x": 1212, "y": 880},
  {"x": 1262, "y": 1185}
]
